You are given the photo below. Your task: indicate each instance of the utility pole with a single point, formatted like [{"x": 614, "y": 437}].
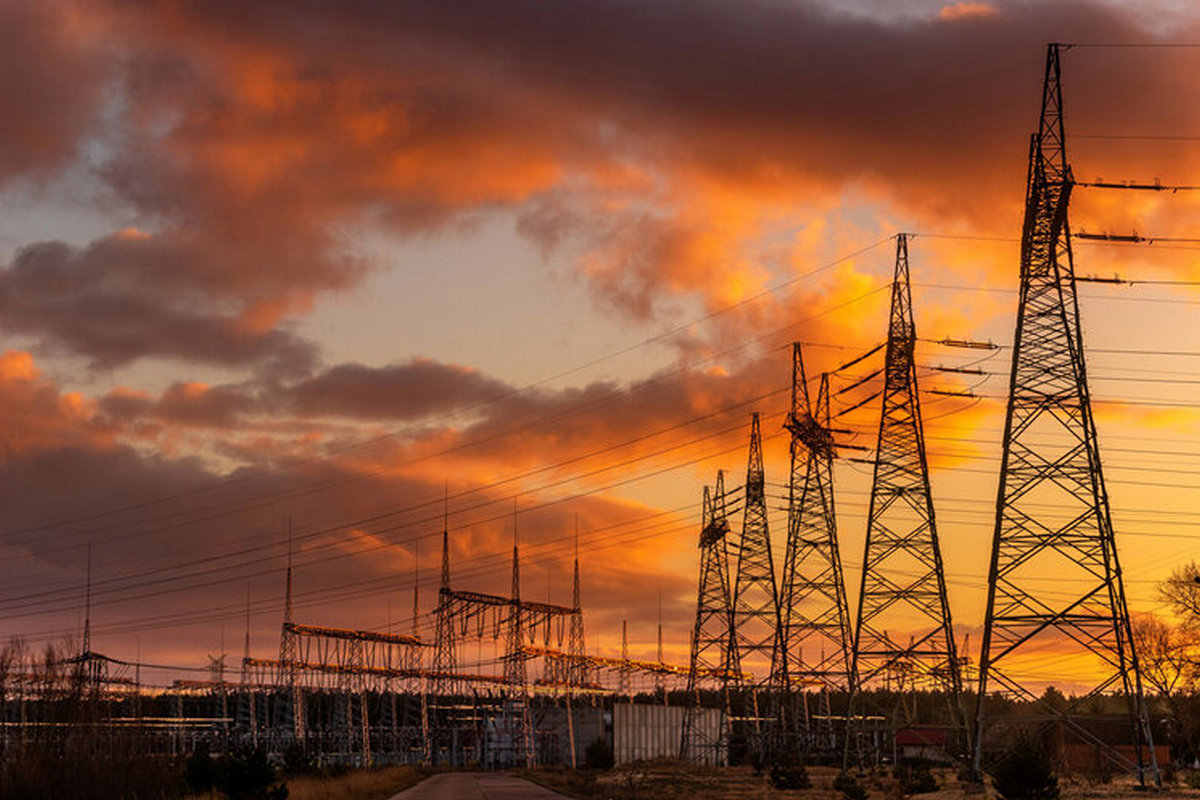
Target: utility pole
[
  {"x": 814, "y": 615},
  {"x": 1052, "y": 511},
  {"x": 903, "y": 589}
]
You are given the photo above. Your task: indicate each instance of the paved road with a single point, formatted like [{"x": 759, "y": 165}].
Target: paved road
[{"x": 477, "y": 786}]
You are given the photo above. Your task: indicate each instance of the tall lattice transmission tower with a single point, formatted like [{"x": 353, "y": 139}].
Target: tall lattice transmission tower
[
  {"x": 712, "y": 629},
  {"x": 814, "y": 632},
  {"x": 516, "y": 674},
  {"x": 577, "y": 672},
  {"x": 445, "y": 659},
  {"x": 903, "y": 638},
  {"x": 754, "y": 623},
  {"x": 1052, "y": 512},
  {"x": 289, "y": 654}
]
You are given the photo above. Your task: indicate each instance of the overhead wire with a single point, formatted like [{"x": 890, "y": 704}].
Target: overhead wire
[{"x": 224, "y": 483}]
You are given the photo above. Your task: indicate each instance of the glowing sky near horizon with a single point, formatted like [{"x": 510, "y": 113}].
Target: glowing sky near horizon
[{"x": 528, "y": 242}]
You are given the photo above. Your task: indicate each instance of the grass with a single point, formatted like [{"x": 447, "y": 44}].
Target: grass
[
  {"x": 363, "y": 784},
  {"x": 664, "y": 780}
]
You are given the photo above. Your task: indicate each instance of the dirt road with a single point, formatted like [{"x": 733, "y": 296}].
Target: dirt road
[{"x": 476, "y": 786}]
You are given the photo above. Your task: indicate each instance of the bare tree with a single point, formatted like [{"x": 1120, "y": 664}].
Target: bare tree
[
  {"x": 1182, "y": 592},
  {"x": 1165, "y": 653}
]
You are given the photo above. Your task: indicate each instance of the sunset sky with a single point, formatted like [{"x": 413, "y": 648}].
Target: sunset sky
[{"x": 329, "y": 261}]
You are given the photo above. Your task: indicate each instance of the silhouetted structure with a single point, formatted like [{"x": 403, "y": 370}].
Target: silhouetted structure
[
  {"x": 712, "y": 630},
  {"x": 814, "y": 633},
  {"x": 903, "y": 637},
  {"x": 1052, "y": 514}
]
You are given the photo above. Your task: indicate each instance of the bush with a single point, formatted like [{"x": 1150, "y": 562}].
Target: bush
[
  {"x": 200, "y": 771},
  {"x": 1025, "y": 772},
  {"x": 247, "y": 775},
  {"x": 298, "y": 761},
  {"x": 739, "y": 749},
  {"x": 849, "y": 786},
  {"x": 789, "y": 773},
  {"x": 915, "y": 777},
  {"x": 598, "y": 755}
]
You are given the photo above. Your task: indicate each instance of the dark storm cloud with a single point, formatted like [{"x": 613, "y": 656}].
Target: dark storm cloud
[
  {"x": 120, "y": 299},
  {"x": 813, "y": 91},
  {"x": 396, "y": 392},
  {"x": 255, "y": 141},
  {"x": 52, "y": 79},
  {"x": 626, "y": 131},
  {"x": 399, "y": 391}
]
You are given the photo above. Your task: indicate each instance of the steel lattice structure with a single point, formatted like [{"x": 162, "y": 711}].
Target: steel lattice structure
[
  {"x": 754, "y": 626},
  {"x": 815, "y": 637},
  {"x": 712, "y": 630},
  {"x": 903, "y": 590},
  {"x": 754, "y": 617},
  {"x": 288, "y": 654},
  {"x": 577, "y": 672},
  {"x": 445, "y": 657},
  {"x": 1051, "y": 460}
]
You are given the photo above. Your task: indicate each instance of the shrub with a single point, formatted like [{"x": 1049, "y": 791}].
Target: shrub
[
  {"x": 1025, "y": 772},
  {"x": 598, "y": 755},
  {"x": 739, "y": 749},
  {"x": 246, "y": 774},
  {"x": 789, "y": 772},
  {"x": 849, "y": 786},
  {"x": 298, "y": 761},
  {"x": 200, "y": 771},
  {"x": 915, "y": 777}
]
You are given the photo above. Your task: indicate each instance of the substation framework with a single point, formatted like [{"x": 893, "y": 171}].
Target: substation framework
[
  {"x": 820, "y": 687},
  {"x": 1052, "y": 512},
  {"x": 800, "y": 625}
]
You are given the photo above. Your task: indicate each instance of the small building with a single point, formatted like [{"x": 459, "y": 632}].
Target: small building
[{"x": 922, "y": 743}]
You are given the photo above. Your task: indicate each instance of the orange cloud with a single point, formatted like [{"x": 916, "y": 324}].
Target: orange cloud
[
  {"x": 49, "y": 418},
  {"x": 959, "y": 11}
]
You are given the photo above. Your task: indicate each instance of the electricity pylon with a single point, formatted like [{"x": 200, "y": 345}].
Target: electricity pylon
[
  {"x": 577, "y": 672},
  {"x": 814, "y": 631},
  {"x": 289, "y": 654},
  {"x": 515, "y": 667},
  {"x": 903, "y": 589},
  {"x": 445, "y": 658},
  {"x": 1052, "y": 512},
  {"x": 712, "y": 629},
  {"x": 754, "y": 625}
]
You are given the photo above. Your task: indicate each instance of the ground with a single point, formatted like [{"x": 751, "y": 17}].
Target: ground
[
  {"x": 363, "y": 784},
  {"x": 670, "y": 780}
]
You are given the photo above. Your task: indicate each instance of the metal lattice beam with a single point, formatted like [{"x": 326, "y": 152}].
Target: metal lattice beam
[
  {"x": 904, "y": 636},
  {"x": 1051, "y": 459},
  {"x": 712, "y": 630},
  {"x": 814, "y": 635}
]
